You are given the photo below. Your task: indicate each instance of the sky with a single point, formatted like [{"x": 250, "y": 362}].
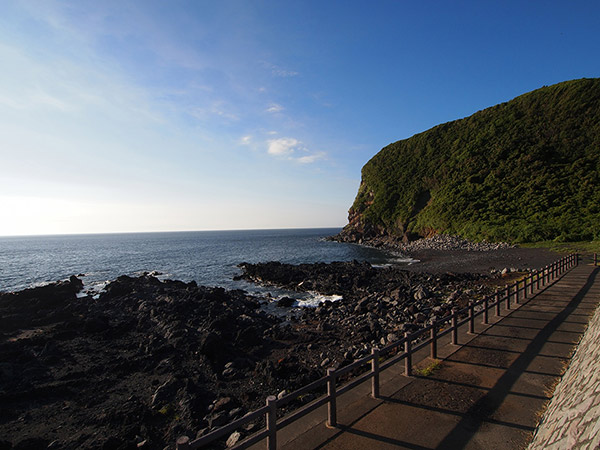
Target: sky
[{"x": 133, "y": 116}]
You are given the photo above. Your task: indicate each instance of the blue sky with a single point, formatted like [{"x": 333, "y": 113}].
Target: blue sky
[{"x": 119, "y": 116}]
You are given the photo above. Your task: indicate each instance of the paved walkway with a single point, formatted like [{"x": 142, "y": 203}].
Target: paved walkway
[{"x": 487, "y": 394}]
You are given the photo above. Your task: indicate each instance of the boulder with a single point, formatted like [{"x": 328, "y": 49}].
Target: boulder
[{"x": 285, "y": 302}]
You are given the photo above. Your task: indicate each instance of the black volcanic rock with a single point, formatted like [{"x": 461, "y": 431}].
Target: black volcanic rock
[
  {"x": 148, "y": 360},
  {"x": 144, "y": 359}
]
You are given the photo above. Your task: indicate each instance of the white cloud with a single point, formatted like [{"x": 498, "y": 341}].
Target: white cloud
[
  {"x": 309, "y": 159},
  {"x": 245, "y": 140},
  {"x": 283, "y": 146},
  {"x": 290, "y": 148},
  {"x": 275, "y": 108}
]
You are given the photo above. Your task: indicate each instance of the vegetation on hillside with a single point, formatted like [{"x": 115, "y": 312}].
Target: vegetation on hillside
[{"x": 523, "y": 171}]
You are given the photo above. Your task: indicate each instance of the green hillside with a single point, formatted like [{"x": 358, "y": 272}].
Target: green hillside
[{"x": 523, "y": 171}]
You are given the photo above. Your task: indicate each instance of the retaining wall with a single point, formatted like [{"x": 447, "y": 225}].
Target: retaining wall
[{"x": 572, "y": 420}]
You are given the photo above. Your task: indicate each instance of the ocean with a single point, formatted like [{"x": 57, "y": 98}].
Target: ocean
[{"x": 208, "y": 257}]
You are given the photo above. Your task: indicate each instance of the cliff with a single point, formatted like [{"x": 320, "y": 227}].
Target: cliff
[{"x": 522, "y": 171}]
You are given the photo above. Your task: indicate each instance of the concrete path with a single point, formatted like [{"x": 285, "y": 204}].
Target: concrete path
[{"x": 487, "y": 394}]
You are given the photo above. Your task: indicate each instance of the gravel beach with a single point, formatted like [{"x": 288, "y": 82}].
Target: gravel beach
[{"x": 482, "y": 262}]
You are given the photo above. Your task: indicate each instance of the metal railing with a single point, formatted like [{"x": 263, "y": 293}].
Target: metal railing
[{"x": 397, "y": 351}]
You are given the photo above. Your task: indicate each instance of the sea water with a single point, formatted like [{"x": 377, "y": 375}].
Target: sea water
[{"x": 208, "y": 257}]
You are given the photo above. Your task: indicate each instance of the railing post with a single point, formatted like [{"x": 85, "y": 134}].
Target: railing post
[
  {"x": 543, "y": 277},
  {"x": 497, "y": 300},
  {"x": 433, "y": 345},
  {"x": 408, "y": 357},
  {"x": 271, "y": 420},
  {"x": 375, "y": 370},
  {"x": 183, "y": 443},
  {"x": 508, "y": 297},
  {"x": 331, "y": 406},
  {"x": 537, "y": 280},
  {"x": 485, "y": 310},
  {"x": 454, "y": 326},
  {"x": 517, "y": 292},
  {"x": 471, "y": 318}
]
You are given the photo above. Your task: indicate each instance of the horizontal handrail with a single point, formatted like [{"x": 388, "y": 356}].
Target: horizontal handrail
[
  {"x": 358, "y": 380},
  {"x": 512, "y": 292},
  {"x": 303, "y": 390},
  {"x": 391, "y": 361},
  {"x": 220, "y": 432},
  {"x": 356, "y": 364},
  {"x": 301, "y": 412}
]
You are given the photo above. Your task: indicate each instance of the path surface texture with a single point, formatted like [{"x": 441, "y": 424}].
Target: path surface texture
[{"x": 490, "y": 392}]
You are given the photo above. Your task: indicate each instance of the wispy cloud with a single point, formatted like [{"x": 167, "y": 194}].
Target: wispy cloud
[
  {"x": 275, "y": 108},
  {"x": 293, "y": 150},
  {"x": 309, "y": 159},
  {"x": 280, "y": 71},
  {"x": 284, "y": 73},
  {"x": 218, "y": 108}
]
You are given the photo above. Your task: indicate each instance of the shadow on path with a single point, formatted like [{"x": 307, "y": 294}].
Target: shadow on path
[{"x": 479, "y": 412}]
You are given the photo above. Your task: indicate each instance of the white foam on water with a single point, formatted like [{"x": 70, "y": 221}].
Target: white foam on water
[
  {"x": 41, "y": 284},
  {"x": 314, "y": 299},
  {"x": 93, "y": 289},
  {"x": 395, "y": 261}
]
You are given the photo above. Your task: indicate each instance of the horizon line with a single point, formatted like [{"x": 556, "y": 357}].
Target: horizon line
[{"x": 96, "y": 233}]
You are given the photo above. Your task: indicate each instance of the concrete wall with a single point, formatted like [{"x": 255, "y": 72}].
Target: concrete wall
[{"x": 572, "y": 420}]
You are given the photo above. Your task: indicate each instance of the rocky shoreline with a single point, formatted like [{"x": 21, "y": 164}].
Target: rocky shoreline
[
  {"x": 443, "y": 242},
  {"x": 149, "y": 360}
]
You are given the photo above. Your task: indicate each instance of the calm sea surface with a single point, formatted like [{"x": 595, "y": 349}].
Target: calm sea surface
[{"x": 208, "y": 257}]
